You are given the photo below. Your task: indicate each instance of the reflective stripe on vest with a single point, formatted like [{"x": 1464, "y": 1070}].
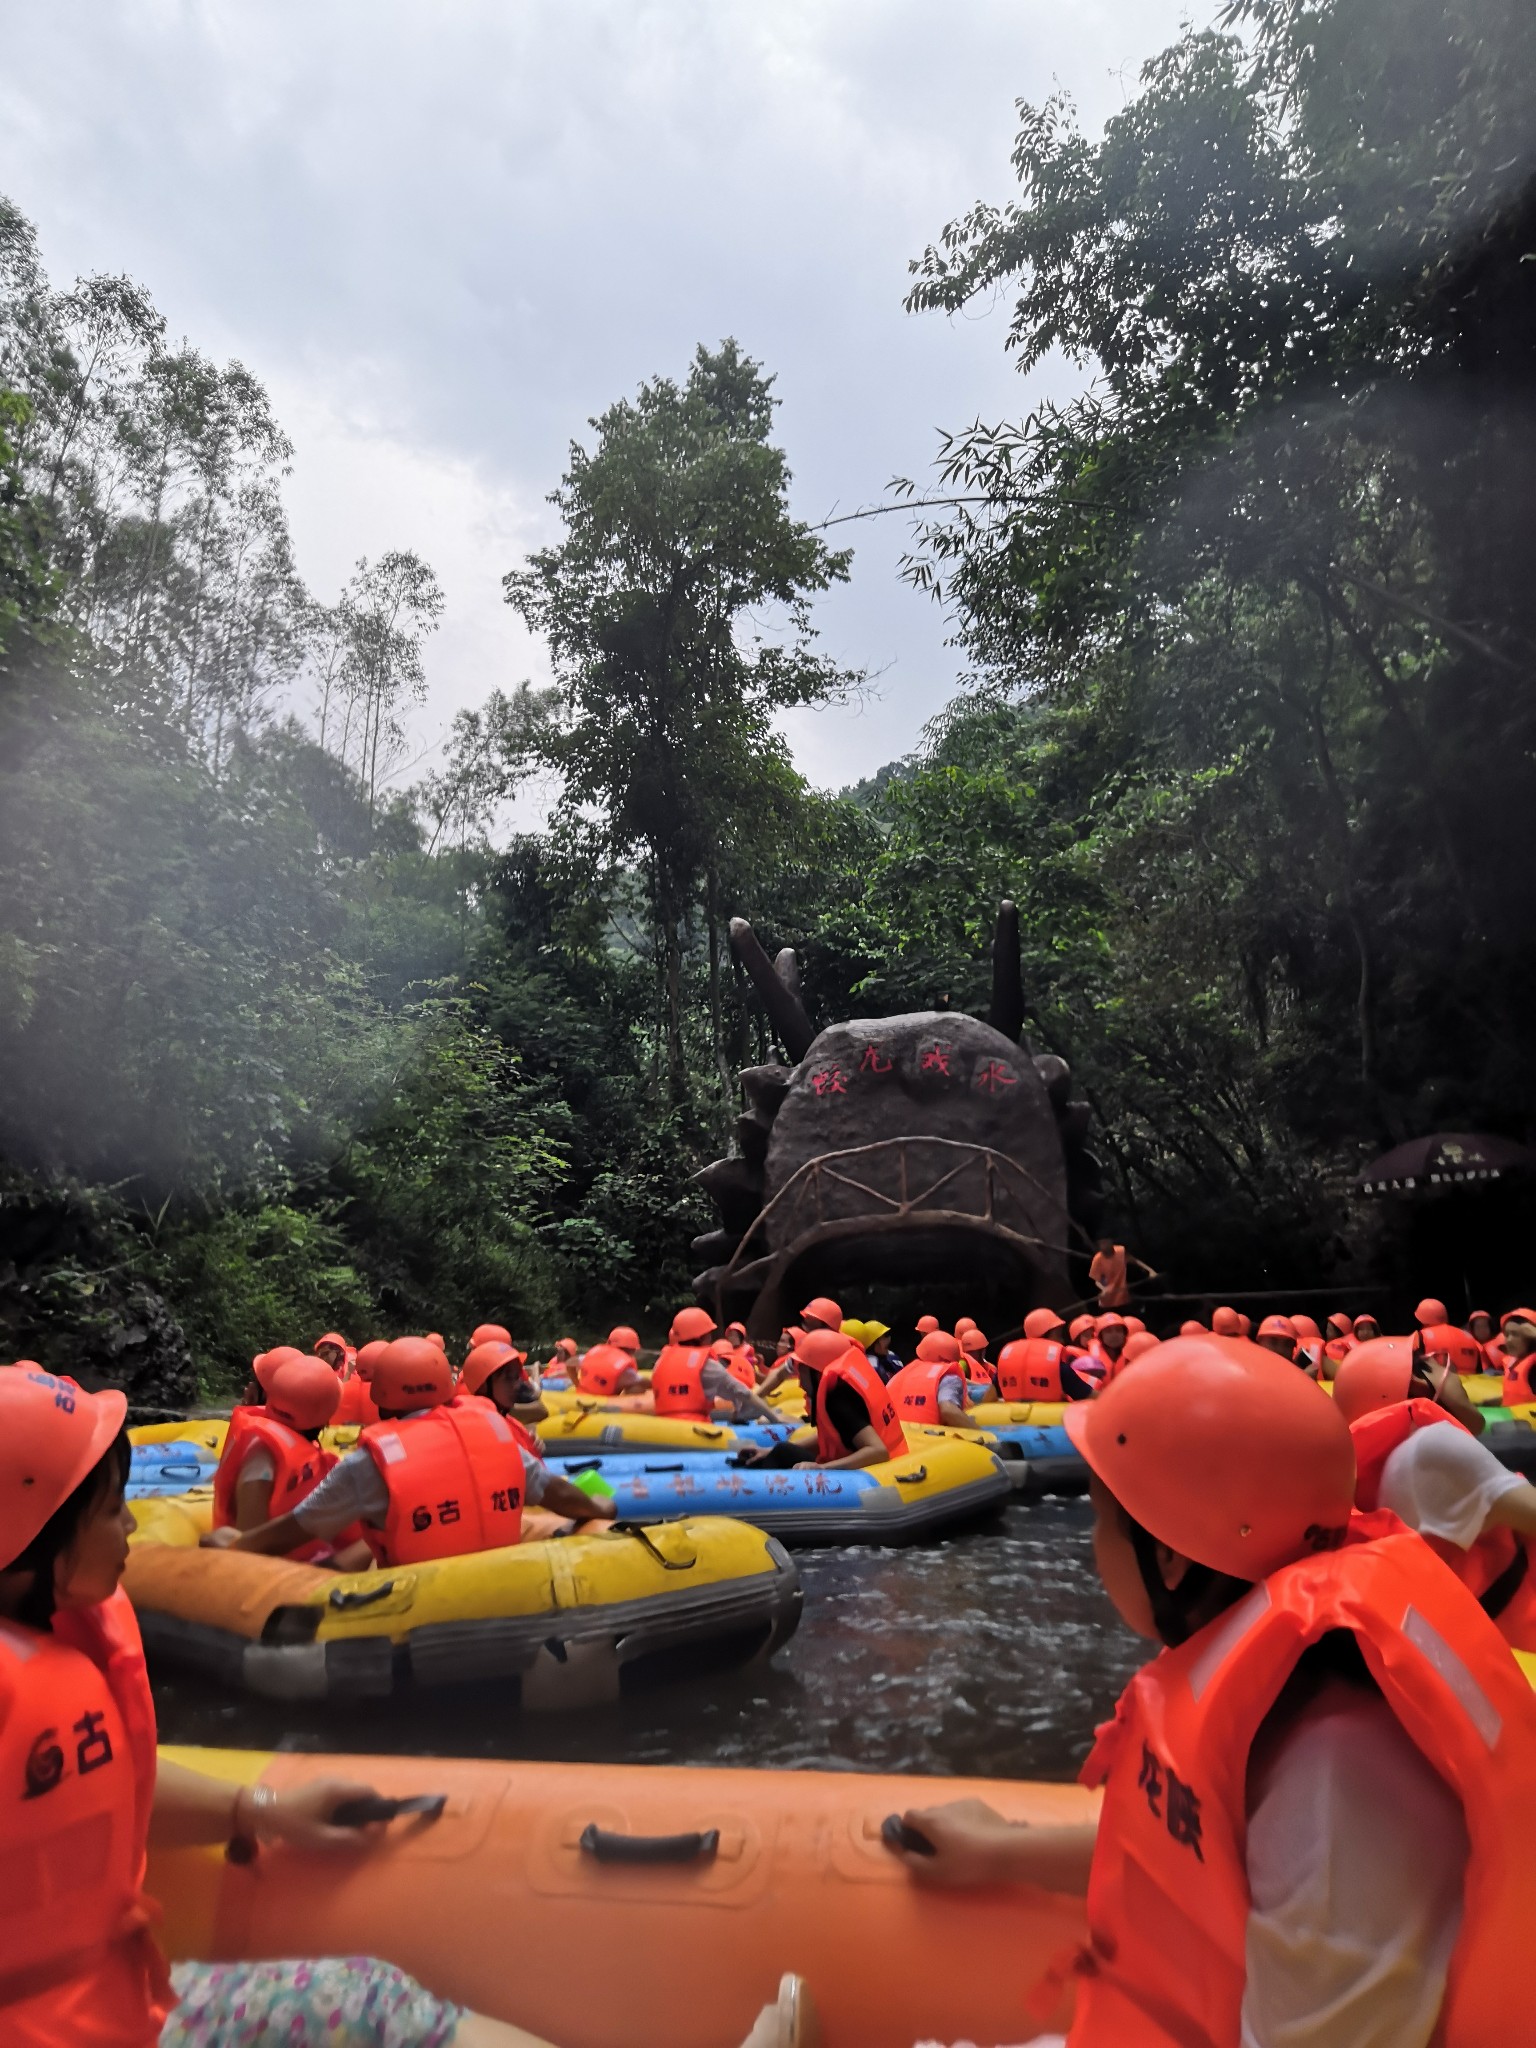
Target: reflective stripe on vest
[
  {"x": 1168, "y": 1895},
  {"x": 455, "y": 1480},
  {"x": 677, "y": 1383},
  {"x": 77, "y": 1771},
  {"x": 859, "y": 1374},
  {"x": 914, "y": 1391}
]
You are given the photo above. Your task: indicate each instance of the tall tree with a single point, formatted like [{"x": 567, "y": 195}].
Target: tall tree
[{"x": 678, "y": 534}]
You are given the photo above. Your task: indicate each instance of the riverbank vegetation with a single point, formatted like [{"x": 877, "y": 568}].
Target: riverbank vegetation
[{"x": 1242, "y": 721}]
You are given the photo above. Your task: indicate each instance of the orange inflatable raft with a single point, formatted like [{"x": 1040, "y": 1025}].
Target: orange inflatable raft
[{"x": 648, "y": 1905}]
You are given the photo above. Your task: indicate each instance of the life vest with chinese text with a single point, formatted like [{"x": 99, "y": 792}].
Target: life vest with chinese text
[
  {"x": 78, "y": 1963},
  {"x": 677, "y": 1383},
  {"x": 455, "y": 1479},
  {"x": 914, "y": 1391},
  {"x": 1168, "y": 1898},
  {"x": 856, "y": 1371}
]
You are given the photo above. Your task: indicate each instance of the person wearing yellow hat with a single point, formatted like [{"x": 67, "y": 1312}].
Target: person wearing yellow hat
[
  {"x": 874, "y": 1340},
  {"x": 1318, "y": 1799}
]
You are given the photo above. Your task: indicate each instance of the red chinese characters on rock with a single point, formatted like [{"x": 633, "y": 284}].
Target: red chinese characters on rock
[
  {"x": 875, "y": 1060},
  {"x": 830, "y": 1081},
  {"x": 994, "y": 1076},
  {"x": 935, "y": 1058}
]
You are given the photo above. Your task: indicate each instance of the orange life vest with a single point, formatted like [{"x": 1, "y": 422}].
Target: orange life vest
[
  {"x": 740, "y": 1369},
  {"x": 602, "y": 1369},
  {"x": 856, "y": 1371},
  {"x": 1497, "y": 1569},
  {"x": 1517, "y": 1380},
  {"x": 77, "y": 1781},
  {"x": 300, "y": 1465},
  {"x": 455, "y": 1479},
  {"x": 1339, "y": 1348},
  {"x": 978, "y": 1373},
  {"x": 1168, "y": 1897},
  {"x": 357, "y": 1408},
  {"x": 914, "y": 1391},
  {"x": 1029, "y": 1369},
  {"x": 677, "y": 1383}
]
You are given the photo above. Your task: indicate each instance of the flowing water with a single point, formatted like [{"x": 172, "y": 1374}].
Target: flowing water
[{"x": 992, "y": 1654}]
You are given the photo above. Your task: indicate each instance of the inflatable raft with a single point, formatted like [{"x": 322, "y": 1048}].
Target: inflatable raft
[
  {"x": 651, "y": 1905},
  {"x": 932, "y": 1490},
  {"x": 558, "y": 1623}
]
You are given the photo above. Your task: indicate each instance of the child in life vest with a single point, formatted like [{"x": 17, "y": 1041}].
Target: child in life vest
[
  {"x": 275, "y": 1460},
  {"x": 1319, "y": 1796},
  {"x": 77, "y": 1733}
]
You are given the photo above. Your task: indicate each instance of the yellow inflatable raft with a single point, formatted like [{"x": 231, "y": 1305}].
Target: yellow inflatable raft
[
  {"x": 652, "y": 1905},
  {"x": 561, "y": 1623}
]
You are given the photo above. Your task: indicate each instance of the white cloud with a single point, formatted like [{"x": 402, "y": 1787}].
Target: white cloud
[{"x": 446, "y": 234}]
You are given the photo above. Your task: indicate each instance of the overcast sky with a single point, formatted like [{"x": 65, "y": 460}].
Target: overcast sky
[{"x": 446, "y": 232}]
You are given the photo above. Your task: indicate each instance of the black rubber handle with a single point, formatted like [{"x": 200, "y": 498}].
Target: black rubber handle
[
  {"x": 362, "y": 1813},
  {"x": 346, "y": 1601},
  {"x": 896, "y": 1834},
  {"x": 609, "y": 1847},
  {"x": 912, "y": 1478}
]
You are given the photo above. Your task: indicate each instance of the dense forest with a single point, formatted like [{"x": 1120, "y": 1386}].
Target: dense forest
[{"x": 1242, "y": 720}]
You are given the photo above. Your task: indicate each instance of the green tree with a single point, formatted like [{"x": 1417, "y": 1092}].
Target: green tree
[{"x": 677, "y": 535}]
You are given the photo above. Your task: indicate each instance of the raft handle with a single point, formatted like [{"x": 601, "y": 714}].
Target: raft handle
[
  {"x": 346, "y": 1602},
  {"x": 912, "y": 1478},
  {"x": 642, "y": 1535},
  {"x": 609, "y": 1847}
]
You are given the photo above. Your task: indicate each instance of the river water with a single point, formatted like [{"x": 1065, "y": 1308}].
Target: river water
[{"x": 992, "y": 1654}]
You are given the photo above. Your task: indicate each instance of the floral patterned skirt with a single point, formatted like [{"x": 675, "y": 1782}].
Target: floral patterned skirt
[{"x": 342, "y": 2002}]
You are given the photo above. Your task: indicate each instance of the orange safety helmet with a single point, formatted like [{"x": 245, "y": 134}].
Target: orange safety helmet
[
  {"x": 436, "y": 1337},
  {"x": 412, "y": 1373},
  {"x": 939, "y": 1348},
  {"x": 332, "y": 1337},
  {"x": 1306, "y": 1329},
  {"x": 52, "y": 1434},
  {"x": 972, "y": 1339},
  {"x": 484, "y": 1362},
  {"x": 1366, "y": 1318},
  {"x": 623, "y": 1338},
  {"x": 1082, "y": 1326},
  {"x": 1430, "y": 1311},
  {"x": 1340, "y": 1324},
  {"x": 368, "y": 1357},
  {"x": 489, "y": 1333},
  {"x": 1223, "y": 1452},
  {"x": 1193, "y": 1329},
  {"x": 1517, "y": 1315},
  {"x": 1134, "y": 1324},
  {"x": 1374, "y": 1375},
  {"x": 304, "y": 1392},
  {"x": 1459, "y": 1347},
  {"x": 818, "y": 1349},
  {"x": 1110, "y": 1320},
  {"x": 964, "y": 1323},
  {"x": 1137, "y": 1345},
  {"x": 691, "y": 1326},
  {"x": 265, "y": 1363},
  {"x": 1041, "y": 1321},
  {"x": 1278, "y": 1326},
  {"x": 823, "y": 1309},
  {"x": 1226, "y": 1322},
  {"x": 926, "y": 1325}
]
